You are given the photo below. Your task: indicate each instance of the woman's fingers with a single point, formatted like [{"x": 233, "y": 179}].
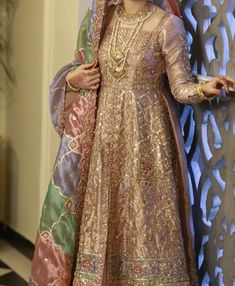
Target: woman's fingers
[
  {"x": 94, "y": 86},
  {"x": 230, "y": 79},
  {"x": 94, "y": 81},
  {"x": 93, "y": 73},
  {"x": 94, "y": 77},
  {"x": 91, "y": 83},
  {"x": 87, "y": 66},
  {"x": 225, "y": 84},
  {"x": 215, "y": 91},
  {"x": 224, "y": 81},
  {"x": 88, "y": 76}
]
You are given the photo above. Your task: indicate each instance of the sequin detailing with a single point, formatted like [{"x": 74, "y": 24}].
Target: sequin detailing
[
  {"x": 132, "y": 272},
  {"x": 130, "y": 221}
]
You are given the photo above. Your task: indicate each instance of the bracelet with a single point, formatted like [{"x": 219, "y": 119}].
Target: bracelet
[
  {"x": 201, "y": 92},
  {"x": 70, "y": 86}
]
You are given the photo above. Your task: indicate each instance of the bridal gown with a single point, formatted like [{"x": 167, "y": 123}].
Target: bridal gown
[{"x": 131, "y": 232}]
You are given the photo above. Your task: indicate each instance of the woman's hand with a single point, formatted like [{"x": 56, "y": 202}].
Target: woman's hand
[
  {"x": 213, "y": 87},
  {"x": 85, "y": 77}
]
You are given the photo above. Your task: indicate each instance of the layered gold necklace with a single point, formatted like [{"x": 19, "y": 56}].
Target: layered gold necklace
[{"x": 117, "y": 54}]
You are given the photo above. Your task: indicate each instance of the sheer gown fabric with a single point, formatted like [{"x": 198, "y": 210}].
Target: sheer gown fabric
[{"x": 130, "y": 230}]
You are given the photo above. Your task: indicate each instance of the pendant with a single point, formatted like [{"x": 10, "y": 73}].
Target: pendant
[
  {"x": 117, "y": 73},
  {"x": 117, "y": 56}
]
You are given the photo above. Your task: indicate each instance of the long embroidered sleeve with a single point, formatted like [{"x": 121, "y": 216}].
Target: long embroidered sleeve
[{"x": 174, "y": 48}]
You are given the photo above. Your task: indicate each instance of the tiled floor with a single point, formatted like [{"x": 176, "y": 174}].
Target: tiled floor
[
  {"x": 15, "y": 259},
  {"x": 9, "y": 277}
]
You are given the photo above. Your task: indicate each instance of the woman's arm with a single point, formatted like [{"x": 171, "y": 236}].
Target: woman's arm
[
  {"x": 65, "y": 88},
  {"x": 58, "y": 99},
  {"x": 61, "y": 95},
  {"x": 175, "y": 50}
]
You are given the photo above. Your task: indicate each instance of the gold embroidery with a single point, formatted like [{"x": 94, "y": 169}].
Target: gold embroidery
[{"x": 130, "y": 220}]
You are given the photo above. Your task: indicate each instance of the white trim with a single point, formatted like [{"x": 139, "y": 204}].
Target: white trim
[{"x": 48, "y": 49}]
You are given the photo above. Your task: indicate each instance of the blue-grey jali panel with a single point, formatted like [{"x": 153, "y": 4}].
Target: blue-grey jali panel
[{"x": 209, "y": 133}]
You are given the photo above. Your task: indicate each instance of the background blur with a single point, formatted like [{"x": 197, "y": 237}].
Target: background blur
[
  {"x": 44, "y": 35},
  {"x": 41, "y": 37}
]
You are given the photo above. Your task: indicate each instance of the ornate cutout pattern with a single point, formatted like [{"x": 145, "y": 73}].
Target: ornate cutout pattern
[{"x": 209, "y": 135}]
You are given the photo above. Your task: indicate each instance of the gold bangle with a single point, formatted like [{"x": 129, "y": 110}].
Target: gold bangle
[
  {"x": 69, "y": 84},
  {"x": 201, "y": 92}
]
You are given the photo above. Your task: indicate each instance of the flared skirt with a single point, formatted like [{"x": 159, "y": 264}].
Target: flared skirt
[{"x": 130, "y": 232}]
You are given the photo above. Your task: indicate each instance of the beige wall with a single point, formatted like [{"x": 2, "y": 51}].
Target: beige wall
[
  {"x": 43, "y": 40},
  {"x": 23, "y": 120}
]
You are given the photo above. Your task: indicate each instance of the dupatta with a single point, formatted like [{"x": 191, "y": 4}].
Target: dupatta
[{"x": 73, "y": 116}]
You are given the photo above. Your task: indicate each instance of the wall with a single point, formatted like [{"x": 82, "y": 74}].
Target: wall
[
  {"x": 43, "y": 40},
  {"x": 23, "y": 120}
]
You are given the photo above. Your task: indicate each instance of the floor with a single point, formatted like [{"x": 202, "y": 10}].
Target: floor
[{"x": 15, "y": 258}]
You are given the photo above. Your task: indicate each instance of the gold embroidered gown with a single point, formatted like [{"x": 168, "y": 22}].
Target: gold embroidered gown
[{"x": 130, "y": 230}]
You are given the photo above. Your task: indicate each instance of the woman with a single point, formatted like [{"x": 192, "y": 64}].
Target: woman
[{"x": 117, "y": 209}]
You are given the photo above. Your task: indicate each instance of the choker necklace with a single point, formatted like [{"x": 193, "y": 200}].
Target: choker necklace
[{"x": 140, "y": 16}]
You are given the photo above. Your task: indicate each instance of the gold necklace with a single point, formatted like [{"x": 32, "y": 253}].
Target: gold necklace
[
  {"x": 133, "y": 18},
  {"x": 117, "y": 56}
]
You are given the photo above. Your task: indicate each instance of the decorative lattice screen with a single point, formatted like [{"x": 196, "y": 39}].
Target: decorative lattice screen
[{"x": 209, "y": 133}]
